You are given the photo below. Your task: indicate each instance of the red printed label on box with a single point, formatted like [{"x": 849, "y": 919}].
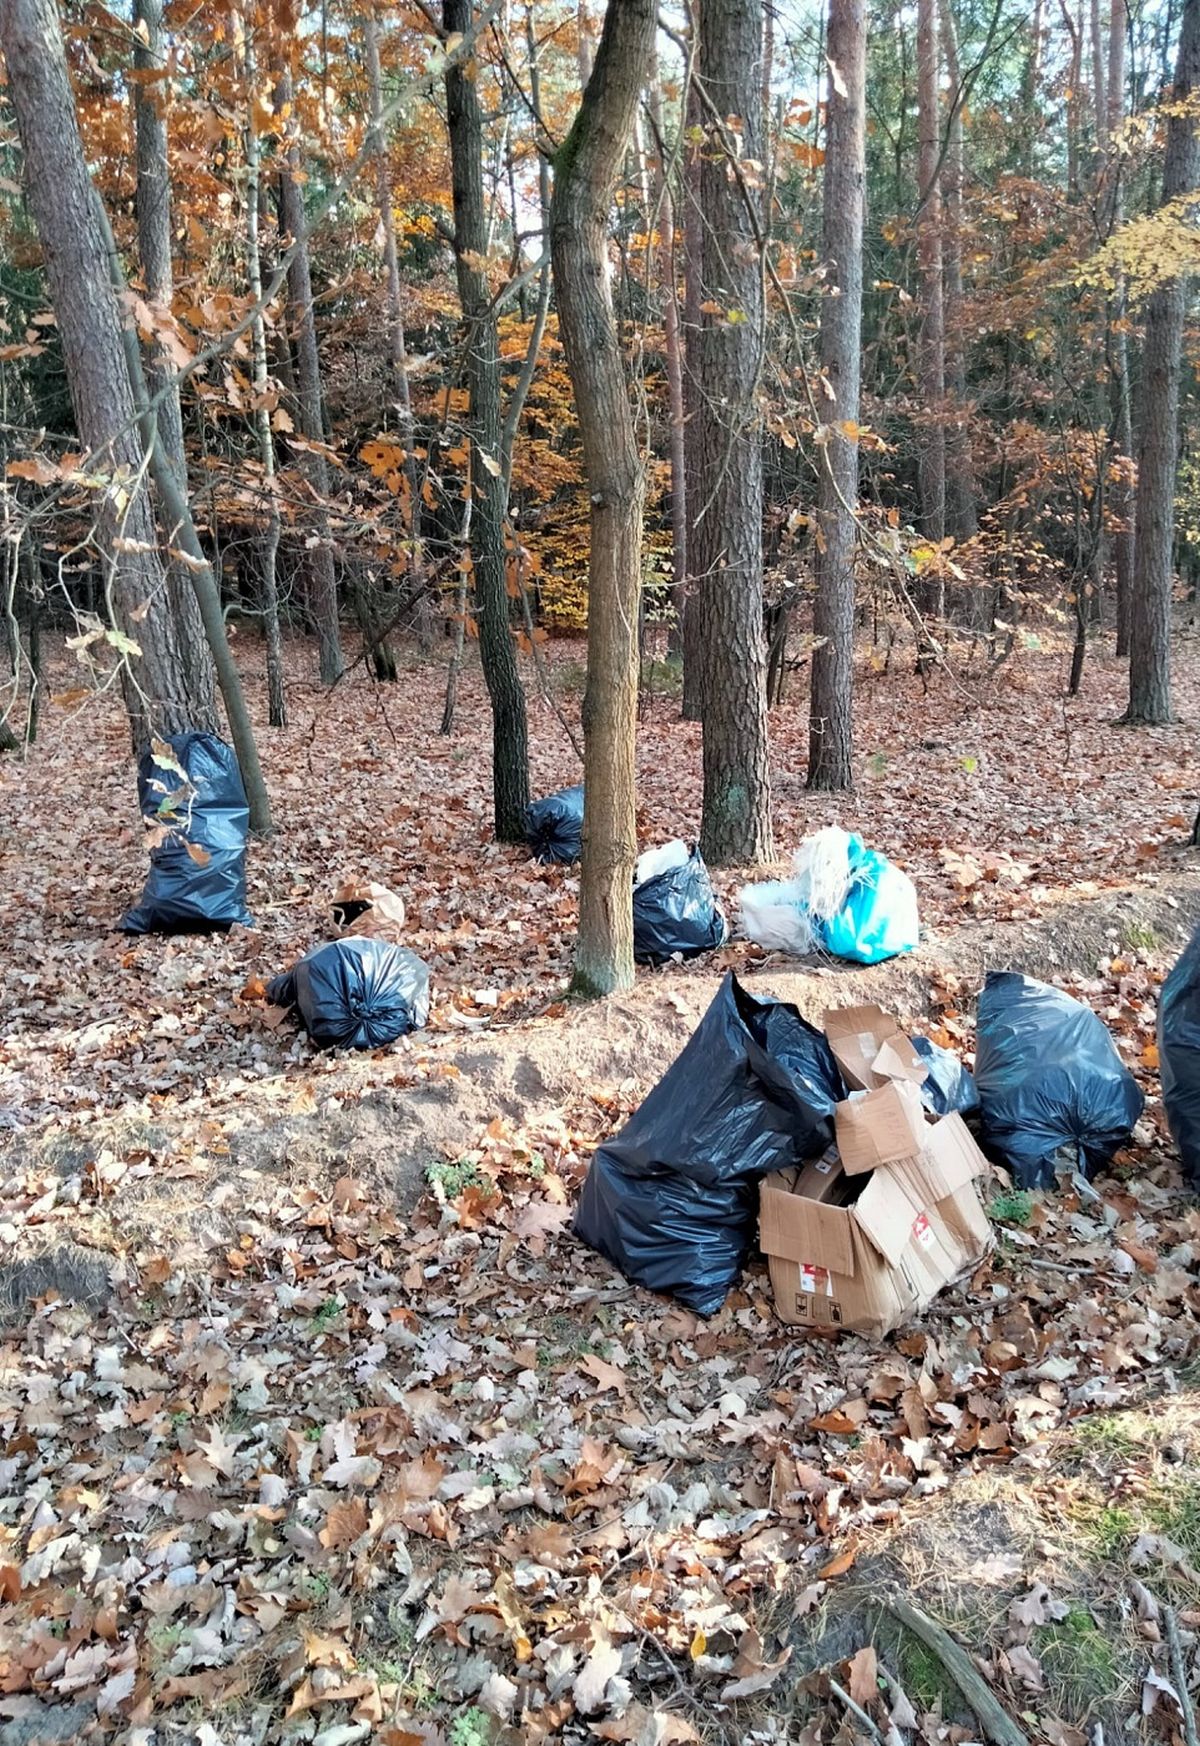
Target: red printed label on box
[
  {"x": 923, "y": 1231},
  {"x": 816, "y": 1280}
]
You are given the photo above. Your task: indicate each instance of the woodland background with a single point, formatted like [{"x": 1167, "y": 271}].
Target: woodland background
[{"x": 866, "y": 493}]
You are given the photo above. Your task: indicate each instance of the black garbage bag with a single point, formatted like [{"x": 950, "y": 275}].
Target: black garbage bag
[
  {"x": 205, "y": 809},
  {"x": 1179, "y": 1055},
  {"x": 1052, "y": 1088},
  {"x": 673, "y": 1199},
  {"x": 675, "y": 912},
  {"x": 356, "y": 993},
  {"x": 554, "y": 826},
  {"x": 949, "y": 1086}
]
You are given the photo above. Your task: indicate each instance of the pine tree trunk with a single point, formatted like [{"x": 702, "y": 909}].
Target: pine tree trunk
[
  {"x": 693, "y": 267},
  {"x": 60, "y": 199},
  {"x": 268, "y": 543},
  {"x": 673, "y": 350},
  {"x": 153, "y": 207},
  {"x": 321, "y": 576},
  {"x": 726, "y": 512},
  {"x": 1121, "y": 496},
  {"x": 932, "y": 453},
  {"x": 961, "y": 517},
  {"x": 585, "y": 177},
  {"x": 1150, "y": 619},
  {"x": 481, "y": 375},
  {"x": 831, "y": 738},
  {"x": 391, "y": 261}
]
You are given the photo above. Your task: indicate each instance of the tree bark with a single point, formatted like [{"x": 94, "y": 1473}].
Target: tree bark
[
  {"x": 1121, "y": 495},
  {"x": 178, "y": 513},
  {"x": 932, "y": 454},
  {"x": 268, "y": 545},
  {"x": 673, "y": 351},
  {"x": 481, "y": 373},
  {"x": 586, "y": 172},
  {"x": 1150, "y": 620},
  {"x": 391, "y": 261},
  {"x": 726, "y": 513},
  {"x": 321, "y": 576},
  {"x": 693, "y": 268},
  {"x": 153, "y": 207},
  {"x": 831, "y": 739},
  {"x": 60, "y": 200},
  {"x": 961, "y": 517}
]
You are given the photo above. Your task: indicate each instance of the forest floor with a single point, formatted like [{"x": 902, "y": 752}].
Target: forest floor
[{"x": 322, "y": 1427}]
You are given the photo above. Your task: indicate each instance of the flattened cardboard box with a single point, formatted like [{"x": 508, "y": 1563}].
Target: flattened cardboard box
[
  {"x": 867, "y": 1252},
  {"x": 871, "y": 1049},
  {"x": 879, "y": 1127}
]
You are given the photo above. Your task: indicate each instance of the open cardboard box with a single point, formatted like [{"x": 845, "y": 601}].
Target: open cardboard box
[{"x": 865, "y": 1240}]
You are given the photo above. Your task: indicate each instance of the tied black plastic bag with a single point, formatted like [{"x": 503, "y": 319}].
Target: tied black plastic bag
[
  {"x": 554, "y": 826},
  {"x": 949, "y": 1086},
  {"x": 190, "y": 787},
  {"x": 1179, "y": 1055},
  {"x": 1052, "y": 1088},
  {"x": 673, "y": 1200},
  {"x": 675, "y": 912},
  {"x": 356, "y": 993}
]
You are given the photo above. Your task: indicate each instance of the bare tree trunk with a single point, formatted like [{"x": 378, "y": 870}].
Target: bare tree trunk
[
  {"x": 1158, "y": 434},
  {"x": 726, "y": 531},
  {"x": 1099, "y": 91},
  {"x": 673, "y": 350},
  {"x": 153, "y": 207},
  {"x": 830, "y": 726},
  {"x": 510, "y": 755},
  {"x": 268, "y": 545},
  {"x": 322, "y": 579},
  {"x": 960, "y": 483},
  {"x": 1031, "y": 75},
  {"x": 60, "y": 199},
  {"x": 932, "y": 455},
  {"x": 585, "y": 178},
  {"x": 1074, "y": 95},
  {"x": 1121, "y": 495},
  {"x": 693, "y": 266},
  {"x": 391, "y": 260},
  {"x": 178, "y": 512}
]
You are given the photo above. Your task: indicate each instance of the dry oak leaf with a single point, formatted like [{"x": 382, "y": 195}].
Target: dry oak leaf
[
  {"x": 1038, "y": 1607},
  {"x": 607, "y": 1375},
  {"x": 864, "y": 1676},
  {"x": 752, "y": 1673},
  {"x": 642, "y": 1727},
  {"x": 593, "y": 1677}
]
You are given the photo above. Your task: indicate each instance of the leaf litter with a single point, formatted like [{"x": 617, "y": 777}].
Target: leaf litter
[{"x": 333, "y": 1466}]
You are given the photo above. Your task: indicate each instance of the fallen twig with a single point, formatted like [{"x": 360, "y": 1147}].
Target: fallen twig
[
  {"x": 992, "y": 1717},
  {"x": 856, "y": 1710},
  {"x": 1179, "y": 1676}
]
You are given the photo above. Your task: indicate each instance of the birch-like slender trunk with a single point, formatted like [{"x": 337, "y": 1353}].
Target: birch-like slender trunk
[
  {"x": 268, "y": 545},
  {"x": 152, "y": 204},
  {"x": 932, "y": 435},
  {"x": 321, "y": 575}
]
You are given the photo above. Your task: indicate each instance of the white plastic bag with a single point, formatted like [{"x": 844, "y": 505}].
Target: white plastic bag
[{"x": 652, "y": 862}]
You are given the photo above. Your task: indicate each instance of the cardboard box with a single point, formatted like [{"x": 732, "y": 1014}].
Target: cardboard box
[
  {"x": 879, "y": 1127},
  {"x": 865, "y": 1252},
  {"x": 871, "y": 1049}
]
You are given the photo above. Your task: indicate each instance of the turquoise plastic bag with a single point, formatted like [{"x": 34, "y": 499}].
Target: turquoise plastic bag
[
  {"x": 843, "y": 899},
  {"x": 878, "y": 918}
]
